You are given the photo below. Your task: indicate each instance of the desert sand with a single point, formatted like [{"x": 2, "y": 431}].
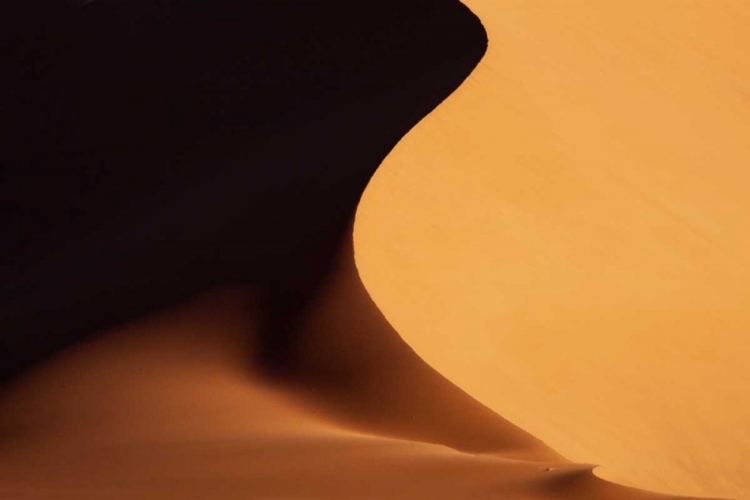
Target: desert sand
[
  {"x": 530, "y": 295},
  {"x": 568, "y": 238},
  {"x": 177, "y": 405}
]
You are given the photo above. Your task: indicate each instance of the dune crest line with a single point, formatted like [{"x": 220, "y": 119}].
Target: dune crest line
[{"x": 181, "y": 311}]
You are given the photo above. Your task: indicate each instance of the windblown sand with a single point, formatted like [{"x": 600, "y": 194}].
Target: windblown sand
[
  {"x": 567, "y": 237},
  {"x": 563, "y": 239},
  {"x": 165, "y": 407}
]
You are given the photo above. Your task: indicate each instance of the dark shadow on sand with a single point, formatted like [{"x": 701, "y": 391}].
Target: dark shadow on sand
[{"x": 154, "y": 149}]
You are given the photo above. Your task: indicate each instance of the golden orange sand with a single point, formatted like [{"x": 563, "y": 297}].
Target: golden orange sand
[
  {"x": 172, "y": 406},
  {"x": 563, "y": 238},
  {"x": 566, "y": 238}
]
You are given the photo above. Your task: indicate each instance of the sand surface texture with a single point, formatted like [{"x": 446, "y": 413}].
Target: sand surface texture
[
  {"x": 174, "y": 405},
  {"x": 551, "y": 269},
  {"x": 567, "y": 239}
]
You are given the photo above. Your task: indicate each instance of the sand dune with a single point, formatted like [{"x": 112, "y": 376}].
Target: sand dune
[
  {"x": 569, "y": 236},
  {"x": 182, "y": 314},
  {"x": 169, "y": 405}
]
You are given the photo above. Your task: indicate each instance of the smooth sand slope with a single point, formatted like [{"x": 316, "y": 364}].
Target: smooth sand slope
[
  {"x": 568, "y": 236},
  {"x": 178, "y": 405},
  {"x": 183, "y": 212}
]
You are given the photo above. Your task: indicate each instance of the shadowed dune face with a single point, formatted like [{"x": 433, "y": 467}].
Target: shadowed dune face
[
  {"x": 175, "y": 152},
  {"x": 569, "y": 236},
  {"x": 158, "y": 148}
]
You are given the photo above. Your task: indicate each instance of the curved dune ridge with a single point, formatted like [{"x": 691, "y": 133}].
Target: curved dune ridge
[
  {"x": 188, "y": 319},
  {"x": 566, "y": 238},
  {"x": 169, "y": 405}
]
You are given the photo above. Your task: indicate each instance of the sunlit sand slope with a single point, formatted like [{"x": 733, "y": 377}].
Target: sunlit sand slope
[
  {"x": 566, "y": 238},
  {"x": 176, "y": 405}
]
